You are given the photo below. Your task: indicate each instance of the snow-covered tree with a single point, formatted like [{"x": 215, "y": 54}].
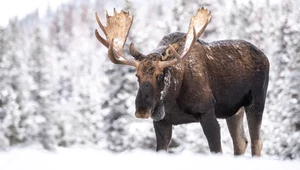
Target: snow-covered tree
[{"x": 58, "y": 87}]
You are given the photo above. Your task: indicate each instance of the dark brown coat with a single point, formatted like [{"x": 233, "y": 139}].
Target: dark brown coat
[
  {"x": 215, "y": 81},
  {"x": 186, "y": 80}
]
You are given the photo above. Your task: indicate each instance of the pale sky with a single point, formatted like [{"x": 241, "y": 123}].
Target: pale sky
[{"x": 19, "y": 8}]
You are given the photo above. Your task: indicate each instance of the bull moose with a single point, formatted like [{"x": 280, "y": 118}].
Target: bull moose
[{"x": 187, "y": 80}]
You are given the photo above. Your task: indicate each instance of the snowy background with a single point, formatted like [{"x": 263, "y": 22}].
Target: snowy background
[{"x": 58, "y": 89}]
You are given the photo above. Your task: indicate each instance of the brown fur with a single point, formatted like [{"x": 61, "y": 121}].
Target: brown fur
[
  {"x": 195, "y": 82},
  {"x": 215, "y": 81}
]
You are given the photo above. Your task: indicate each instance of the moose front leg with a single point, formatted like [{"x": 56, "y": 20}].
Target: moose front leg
[
  {"x": 163, "y": 133},
  {"x": 211, "y": 128}
]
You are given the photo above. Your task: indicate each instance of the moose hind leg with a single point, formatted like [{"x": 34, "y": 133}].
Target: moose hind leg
[
  {"x": 236, "y": 128},
  {"x": 254, "y": 113},
  {"x": 163, "y": 133}
]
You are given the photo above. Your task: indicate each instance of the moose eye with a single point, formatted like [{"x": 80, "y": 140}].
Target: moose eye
[{"x": 159, "y": 77}]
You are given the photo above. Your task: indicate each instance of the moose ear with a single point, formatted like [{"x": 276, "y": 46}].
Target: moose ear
[{"x": 135, "y": 53}]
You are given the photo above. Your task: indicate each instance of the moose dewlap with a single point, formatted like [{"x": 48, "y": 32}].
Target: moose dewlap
[{"x": 187, "y": 80}]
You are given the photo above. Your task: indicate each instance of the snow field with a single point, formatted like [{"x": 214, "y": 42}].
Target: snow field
[{"x": 89, "y": 159}]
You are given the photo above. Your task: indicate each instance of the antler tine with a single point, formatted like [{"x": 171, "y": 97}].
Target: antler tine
[
  {"x": 197, "y": 26},
  {"x": 178, "y": 57},
  {"x": 116, "y": 32},
  {"x": 173, "y": 51},
  {"x": 115, "y": 11},
  {"x": 163, "y": 64},
  {"x": 112, "y": 55},
  {"x": 100, "y": 24},
  {"x": 101, "y": 39},
  {"x": 98, "y": 36}
]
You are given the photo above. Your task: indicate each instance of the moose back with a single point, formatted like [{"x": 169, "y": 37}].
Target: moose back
[{"x": 187, "y": 80}]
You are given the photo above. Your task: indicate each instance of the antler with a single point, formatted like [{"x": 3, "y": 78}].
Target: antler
[
  {"x": 197, "y": 26},
  {"x": 163, "y": 64},
  {"x": 116, "y": 32}
]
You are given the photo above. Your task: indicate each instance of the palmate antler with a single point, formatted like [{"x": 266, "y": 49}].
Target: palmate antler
[
  {"x": 197, "y": 25},
  {"x": 118, "y": 26},
  {"x": 116, "y": 31}
]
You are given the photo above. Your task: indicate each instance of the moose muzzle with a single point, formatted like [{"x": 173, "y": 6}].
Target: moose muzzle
[
  {"x": 144, "y": 101},
  {"x": 143, "y": 115}
]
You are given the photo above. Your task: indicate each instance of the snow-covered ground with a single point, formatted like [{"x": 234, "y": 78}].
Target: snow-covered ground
[{"x": 89, "y": 159}]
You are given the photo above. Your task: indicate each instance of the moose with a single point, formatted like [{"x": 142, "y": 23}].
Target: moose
[{"x": 186, "y": 80}]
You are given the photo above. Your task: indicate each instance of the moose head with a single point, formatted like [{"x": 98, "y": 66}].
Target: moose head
[{"x": 151, "y": 68}]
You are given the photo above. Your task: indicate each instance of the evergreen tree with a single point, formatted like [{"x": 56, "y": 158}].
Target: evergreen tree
[
  {"x": 4, "y": 88},
  {"x": 40, "y": 65},
  {"x": 15, "y": 94}
]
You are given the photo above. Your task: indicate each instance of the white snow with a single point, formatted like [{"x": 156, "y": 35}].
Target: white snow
[
  {"x": 30, "y": 158},
  {"x": 81, "y": 98}
]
